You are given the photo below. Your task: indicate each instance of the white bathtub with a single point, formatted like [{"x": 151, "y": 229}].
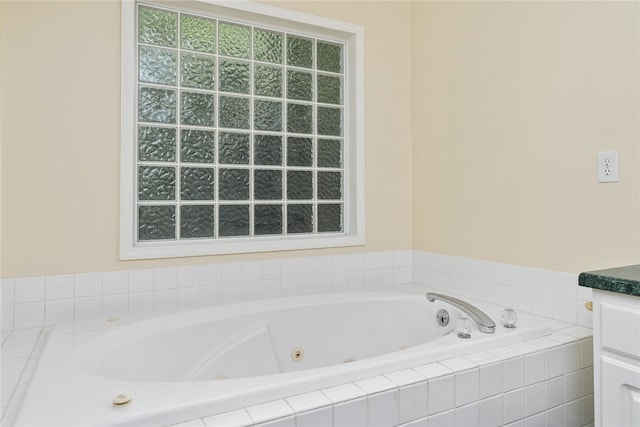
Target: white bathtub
[{"x": 203, "y": 362}]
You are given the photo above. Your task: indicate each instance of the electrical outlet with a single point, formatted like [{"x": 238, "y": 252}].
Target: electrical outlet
[{"x": 608, "y": 166}]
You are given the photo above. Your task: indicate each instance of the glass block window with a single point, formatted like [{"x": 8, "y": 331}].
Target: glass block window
[{"x": 241, "y": 130}]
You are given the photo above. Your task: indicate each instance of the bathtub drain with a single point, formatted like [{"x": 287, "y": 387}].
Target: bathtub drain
[
  {"x": 121, "y": 399},
  {"x": 297, "y": 354}
]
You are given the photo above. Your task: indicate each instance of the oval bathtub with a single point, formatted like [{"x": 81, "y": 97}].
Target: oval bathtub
[{"x": 194, "y": 364}]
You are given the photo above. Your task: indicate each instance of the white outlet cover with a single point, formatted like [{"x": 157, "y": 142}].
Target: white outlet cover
[{"x": 608, "y": 170}]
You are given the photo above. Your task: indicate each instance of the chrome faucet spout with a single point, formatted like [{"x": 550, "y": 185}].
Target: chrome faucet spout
[{"x": 484, "y": 322}]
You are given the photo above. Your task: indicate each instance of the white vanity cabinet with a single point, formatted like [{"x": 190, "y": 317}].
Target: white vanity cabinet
[{"x": 616, "y": 342}]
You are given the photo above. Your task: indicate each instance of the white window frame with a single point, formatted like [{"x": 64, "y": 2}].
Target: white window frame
[{"x": 351, "y": 35}]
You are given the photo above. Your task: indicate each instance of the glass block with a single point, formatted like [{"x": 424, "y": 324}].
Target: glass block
[
  {"x": 157, "y": 65},
  {"x": 267, "y": 46},
  {"x": 329, "y": 89},
  {"x": 156, "y": 144},
  {"x": 299, "y": 219},
  {"x": 156, "y": 183},
  {"x": 329, "y": 121},
  {"x": 197, "y": 34},
  {"x": 267, "y": 81},
  {"x": 233, "y": 220},
  {"x": 299, "y": 85},
  {"x": 267, "y": 184},
  {"x": 299, "y": 185},
  {"x": 198, "y": 71},
  {"x": 233, "y": 184},
  {"x": 234, "y": 76},
  {"x": 329, "y": 57},
  {"x": 299, "y": 151},
  {"x": 267, "y": 150},
  {"x": 196, "y": 183},
  {"x": 197, "y": 109},
  {"x": 329, "y": 218},
  {"x": 299, "y": 52},
  {"x": 197, "y": 146},
  {"x": 157, "y": 27},
  {"x": 299, "y": 118},
  {"x": 196, "y": 221},
  {"x": 157, "y": 105},
  {"x": 267, "y": 115},
  {"x": 330, "y": 185},
  {"x": 234, "y": 148},
  {"x": 329, "y": 153},
  {"x": 267, "y": 219},
  {"x": 156, "y": 223},
  {"x": 234, "y": 40},
  {"x": 234, "y": 112}
]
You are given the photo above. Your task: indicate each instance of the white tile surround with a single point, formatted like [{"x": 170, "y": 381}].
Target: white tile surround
[
  {"x": 475, "y": 390},
  {"x": 37, "y": 301},
  {"x": 541, "y": 377}
]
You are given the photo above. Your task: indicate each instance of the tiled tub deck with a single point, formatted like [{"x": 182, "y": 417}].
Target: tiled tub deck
[
  {"x": 550, "y": 388},
  {"x": 543, "y": 381}
]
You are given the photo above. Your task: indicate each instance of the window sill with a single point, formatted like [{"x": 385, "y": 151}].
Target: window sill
[{"x": 164, "y": 249}]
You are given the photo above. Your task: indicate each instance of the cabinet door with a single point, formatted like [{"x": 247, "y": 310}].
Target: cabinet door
[{"x": 620, "y": 393}]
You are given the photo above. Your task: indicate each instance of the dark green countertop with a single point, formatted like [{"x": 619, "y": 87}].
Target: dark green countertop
[{"x": 623, "y": 280}]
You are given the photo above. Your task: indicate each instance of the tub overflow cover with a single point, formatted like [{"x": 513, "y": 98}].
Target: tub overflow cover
[{"x": 443, "y": 317}]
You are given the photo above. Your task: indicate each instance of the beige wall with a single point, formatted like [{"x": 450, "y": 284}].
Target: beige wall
[
  {"x": 512, "y": 101},
  {"x": 60, "y": 76},
  {"x": 483, "y": 121}
]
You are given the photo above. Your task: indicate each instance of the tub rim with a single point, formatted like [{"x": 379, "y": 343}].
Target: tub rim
[{"x": 167, "y": 410}]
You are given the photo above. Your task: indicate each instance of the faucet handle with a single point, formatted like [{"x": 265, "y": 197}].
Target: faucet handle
[
  {"x": 509, "y": 318},
  {"x": 463, "y": 327}
]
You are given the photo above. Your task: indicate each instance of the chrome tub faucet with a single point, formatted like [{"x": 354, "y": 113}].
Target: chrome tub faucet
[{"x": 484, "y": 322}]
